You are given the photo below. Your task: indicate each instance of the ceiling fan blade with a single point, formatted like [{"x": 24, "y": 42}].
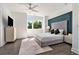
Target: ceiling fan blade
[
  {"x": 29, "y": 3},
  {"x": 34, "y": 10},
  {"x": 34, "y": 6},
  {"x": 27, "y": 6},
  {"x": 31, "y": 7}
]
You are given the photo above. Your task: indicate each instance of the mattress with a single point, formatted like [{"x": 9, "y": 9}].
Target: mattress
[{"x": 46, "y": 37}]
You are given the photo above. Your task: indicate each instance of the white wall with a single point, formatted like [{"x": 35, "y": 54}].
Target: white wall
[
  {"x": 75, "y": 38},
  {"x": 4, "y": 13},
  {"x": 20, "y": 20},
  {"x": 1, "y": 29}
]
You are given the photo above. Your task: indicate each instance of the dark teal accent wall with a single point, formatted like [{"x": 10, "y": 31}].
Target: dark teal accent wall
[{"x": 67, "y": 16}]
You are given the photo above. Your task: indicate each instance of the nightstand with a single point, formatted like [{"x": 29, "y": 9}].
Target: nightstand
[{"x": 68, "y": 38}]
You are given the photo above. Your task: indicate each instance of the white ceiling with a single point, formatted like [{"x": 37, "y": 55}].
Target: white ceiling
[{"x": 43, "y": 8}]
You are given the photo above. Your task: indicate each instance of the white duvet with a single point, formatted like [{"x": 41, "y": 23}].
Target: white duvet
[{"x": 46, "y": 37}]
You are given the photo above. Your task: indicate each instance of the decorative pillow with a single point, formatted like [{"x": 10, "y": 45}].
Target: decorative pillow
[
  {"x": 52, "y": 31},
  {"x": 57, "y": 31},
  {"x": 61, "y": 31}
]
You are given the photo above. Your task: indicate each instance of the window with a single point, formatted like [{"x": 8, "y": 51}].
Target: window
[
  {"x": 34, "y": 22},
  {"x": 29, "y": 25},
  {"x": 37, "y": 24}
]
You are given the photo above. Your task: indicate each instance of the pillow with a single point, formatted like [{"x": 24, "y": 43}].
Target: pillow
[
  {"x": 52, "y": 31},
  {"x": 61, "y": 31},
  {"x": 57, "y": 31}
]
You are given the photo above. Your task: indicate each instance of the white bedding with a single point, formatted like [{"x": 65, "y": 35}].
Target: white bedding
[{"x": 46, "y": 37}]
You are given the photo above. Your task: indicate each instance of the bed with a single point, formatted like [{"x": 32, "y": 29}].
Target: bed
[{"x": 45, "y": 39}]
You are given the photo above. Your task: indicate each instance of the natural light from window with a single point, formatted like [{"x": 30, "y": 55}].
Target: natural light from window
[{"x": 34, "y": 22}]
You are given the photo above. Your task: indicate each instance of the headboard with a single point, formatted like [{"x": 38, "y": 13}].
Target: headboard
[{"x": 60, "y": 25}]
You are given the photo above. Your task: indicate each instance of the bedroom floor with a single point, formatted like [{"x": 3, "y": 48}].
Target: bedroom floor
[{"x": 59, "y": 49}]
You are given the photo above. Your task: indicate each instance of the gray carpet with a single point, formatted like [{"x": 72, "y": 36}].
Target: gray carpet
[{"x": 30, "y": 47}]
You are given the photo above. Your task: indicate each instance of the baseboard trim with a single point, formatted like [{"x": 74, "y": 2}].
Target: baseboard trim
[
  {"x": 75, "y": 50},
  {"x": 2, "y": 44},
  {"x": 20, "y": 38}
]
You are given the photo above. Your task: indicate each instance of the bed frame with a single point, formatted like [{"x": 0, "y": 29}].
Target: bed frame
[{"x": 43, "y": 44}]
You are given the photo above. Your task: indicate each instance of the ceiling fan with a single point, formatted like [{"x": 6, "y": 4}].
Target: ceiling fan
[{"x": 32, "y": 7}]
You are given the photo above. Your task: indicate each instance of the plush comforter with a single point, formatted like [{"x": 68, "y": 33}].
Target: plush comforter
[{"x": 46, "y": 37}]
